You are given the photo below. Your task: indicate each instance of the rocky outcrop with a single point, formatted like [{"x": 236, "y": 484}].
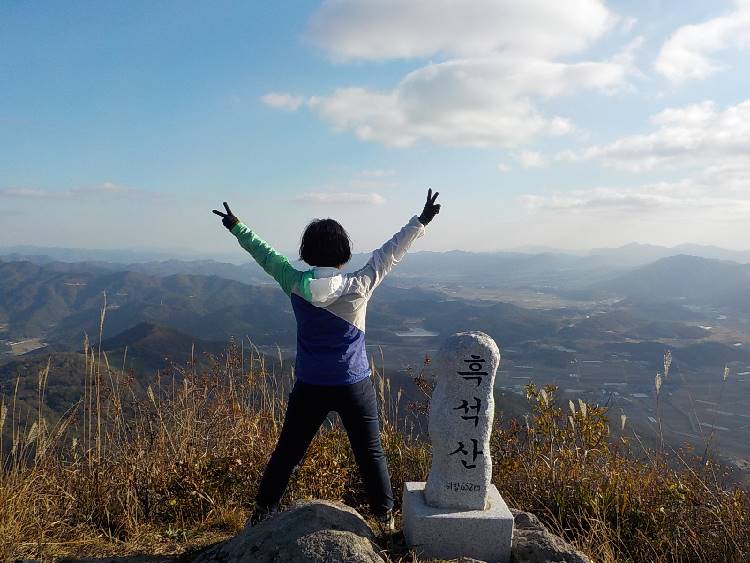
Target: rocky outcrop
[
  {"x": 315, "y": 531},
  {"x": 533, "y": 543},
  {"x": 331, "y": 532}
]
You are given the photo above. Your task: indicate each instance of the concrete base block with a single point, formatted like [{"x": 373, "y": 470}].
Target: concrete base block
[{"x": 446, "y": 533}]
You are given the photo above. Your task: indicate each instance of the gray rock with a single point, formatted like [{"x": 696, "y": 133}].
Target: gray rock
[
  {"x": 526, "y": 520},
  {"x": 310, "y": 531},
  {"x": 462, "y": 409},
  {"x": 533, "y": 543}
]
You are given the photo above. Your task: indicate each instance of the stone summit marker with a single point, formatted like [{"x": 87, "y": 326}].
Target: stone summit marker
[{"x": 459, "y": 512}]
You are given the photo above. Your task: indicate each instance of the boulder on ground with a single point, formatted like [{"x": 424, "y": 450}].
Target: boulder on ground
[
  {"x": 309, "y": 531},
  {"x": 533, "y": 543}
]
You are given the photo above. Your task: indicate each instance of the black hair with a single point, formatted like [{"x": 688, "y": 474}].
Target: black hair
[{"x": 325, "y": 243}]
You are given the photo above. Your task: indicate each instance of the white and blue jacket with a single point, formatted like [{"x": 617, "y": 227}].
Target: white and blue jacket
[{"x": 330, "y": 306}]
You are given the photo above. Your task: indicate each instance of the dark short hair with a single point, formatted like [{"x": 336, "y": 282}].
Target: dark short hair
[{"x": 325, "y": 243}]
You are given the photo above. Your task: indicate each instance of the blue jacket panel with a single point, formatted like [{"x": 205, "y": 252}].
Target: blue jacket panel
[{"x": 330, "y": 350}]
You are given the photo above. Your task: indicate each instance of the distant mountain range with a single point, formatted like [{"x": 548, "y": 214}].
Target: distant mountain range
[
  {"x": 63, "y": 305},
  {"x": 633, "y": 253},
  {"x": 211, "y": 300},
  {"x": 550, "y": 269},
  {"x": 63, "y": 300},
  {"x": 689, "y": 279},
  {"x": 120, "y": 256}
]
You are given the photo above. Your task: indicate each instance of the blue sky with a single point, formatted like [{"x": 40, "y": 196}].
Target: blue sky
[{"x": 580, "y": 125}]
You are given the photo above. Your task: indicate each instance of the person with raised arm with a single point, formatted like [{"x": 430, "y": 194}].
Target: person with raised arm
[{"x": 332, "y": 372}]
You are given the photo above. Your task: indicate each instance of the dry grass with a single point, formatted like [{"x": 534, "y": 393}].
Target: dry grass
[
  {"x": 563, "y": 464},
  {"x": 122, "y": 473},
  {"x": 178, "y": 468}
]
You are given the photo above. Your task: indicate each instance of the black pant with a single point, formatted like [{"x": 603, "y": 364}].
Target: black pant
[{"x": 308, "y": 407}]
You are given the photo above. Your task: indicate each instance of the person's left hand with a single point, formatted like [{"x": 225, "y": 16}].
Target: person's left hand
[
  {"x": 430, "y": 208},
  {"x": 228, "y": 219}
]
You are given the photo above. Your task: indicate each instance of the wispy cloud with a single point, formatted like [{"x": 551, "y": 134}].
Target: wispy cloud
[
  {"x": 627, "y": 24},
  {"x": 688, "y": 136},
  {"x": 282, "y": 100},
  {"x": 531, "y": 159},
  {"x": 711, "y": 147},
  {"x": 377, "y": 173},
  {"x": 715, "y": 190},
  {"x": 106, "y": 189},
  {"x": 689, "y": 51},
  {"x": 340, "y": 198}
]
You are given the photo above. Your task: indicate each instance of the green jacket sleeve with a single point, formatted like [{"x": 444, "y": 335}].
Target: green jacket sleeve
[{"x": 272, "y": 262}]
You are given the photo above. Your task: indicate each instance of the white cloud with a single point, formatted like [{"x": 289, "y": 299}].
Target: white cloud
[
  {"x": 531, "y": 159},
  {"x": 627, "y": 24},
  {"x": 401, "y": 29},
  {"x": 717, "y": 191},
  {"x": 467, "y": 102},
  {"x": 376, "y": 173},
  {"x": 688, "y": 136},
  {"x": 340, "y": 198},
  {"x": 711, "y": 145},
  {"x": 105, "y": 189},
  {"x": 502, "y": 167},
  {"x": 626, "y": 56},
  {"x": 282, "y": 100},
  {"x": 495, "y": 65},
  {"x": 687, "y": 54},
  {"x": 26, "y": 193}
]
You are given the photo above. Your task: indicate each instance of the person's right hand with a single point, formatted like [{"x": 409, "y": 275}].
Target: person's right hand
[
  {"x": 228, "y": 219},
  {"x": 430, "y": 208}
]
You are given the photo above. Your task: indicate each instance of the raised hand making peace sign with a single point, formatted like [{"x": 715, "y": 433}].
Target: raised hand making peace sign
[
  {"x": 228, "y": 218},
  {"x": 430, "y": 208}
]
